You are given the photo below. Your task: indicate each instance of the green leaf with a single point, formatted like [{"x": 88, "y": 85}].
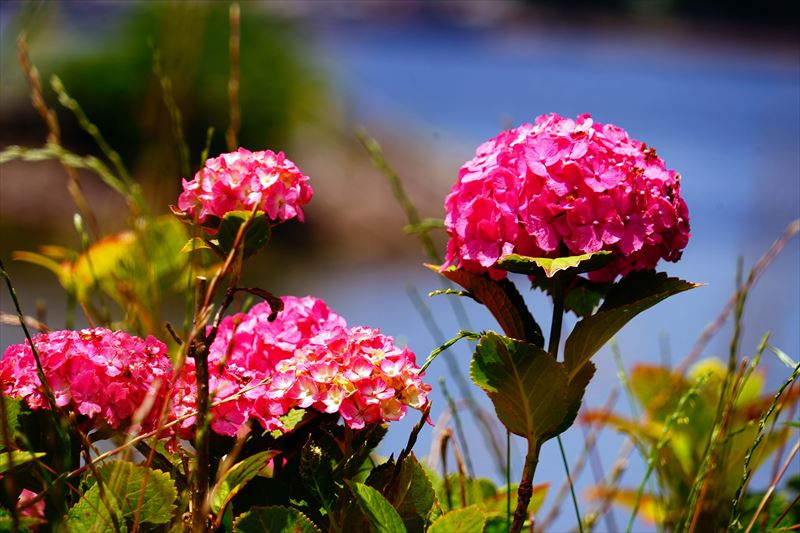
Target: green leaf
[
  {"x": 13, "y": 409},
  {"x": 237, "y": 477},
  {"x": 412, "y": 495},
  {"x": 256, "y": 237},
  {"x": 92, "y": 515},
  {"x": 526, "y": 385},
  {"x": 274, "y": 519},
  {"x": 582, "y": 299},
  {"x": 18, "y": 458},
  {"x": 291, "y": 420},
  {"x": 575, "y": 391},
  {"x": 194, "y": 244},
  {"x": 383, "y": 518},
  {"x": 503, "y": 301},
  {"x": 123, "y": 482},
  {"x": 630, "y": 296},
  {"x": 785, "y": 359},
  {"x": 467, "y": 520},
  {"x": 316, "y": 471},
  {"x": 523, "y": 264}
]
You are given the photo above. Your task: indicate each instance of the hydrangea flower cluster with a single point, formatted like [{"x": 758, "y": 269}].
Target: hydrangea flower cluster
[
  {"x": 565, "y": 187},
  {"x": 101, "y": 374},
  {"x": 242, "y": 180},
  {"x": 306, "y": 358}
]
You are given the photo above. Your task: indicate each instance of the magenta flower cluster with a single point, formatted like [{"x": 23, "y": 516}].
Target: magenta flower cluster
[
  {"x": 244, "y": 180},
  {"x": 103, "y": 375},
  {"x": 564, "y": 187},
  {"x": 306, "y": 358}
]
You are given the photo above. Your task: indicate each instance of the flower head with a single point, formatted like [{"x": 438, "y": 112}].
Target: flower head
[
  {"x": 565, "y": 187},
  {"x": 305, "y": 359},
  {"x": 101, "y": 374},
  {"x": 244, "y": 180}
]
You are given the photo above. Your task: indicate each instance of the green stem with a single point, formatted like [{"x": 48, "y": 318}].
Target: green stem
[
  {"x": 571, "y": 486},
  {"x": 553, "y": 344},
  {"x": 508, "y": 479}
]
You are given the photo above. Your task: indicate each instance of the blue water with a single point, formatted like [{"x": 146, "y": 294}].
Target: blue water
[{"x": 726, "y": 115}]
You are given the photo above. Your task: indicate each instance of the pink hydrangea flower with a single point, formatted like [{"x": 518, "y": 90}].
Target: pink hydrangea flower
[
  {"x": 242, "y": 180},
  {"x": 565, "y": 187},
  {"x": 101, "y": 374},
  {"x": 308, "y": 359}
]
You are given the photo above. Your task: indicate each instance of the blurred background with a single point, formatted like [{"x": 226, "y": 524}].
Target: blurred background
[{"x": 714, "y": 85}]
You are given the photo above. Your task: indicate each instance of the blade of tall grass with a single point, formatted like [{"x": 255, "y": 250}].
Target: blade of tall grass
[
  {"x": 772, "y": 485},
  {"x": 653, "y": 456},
  {"x": 65, "y": 157},
  {"x": 459, "y": 427},
  {"x": 762, "y": 424},
  {"x": 589, "y": 444},
  {"x": 54, "y": 133},
  {"x": 174, "y": 112},
  {"x": 792, "y": 229}
]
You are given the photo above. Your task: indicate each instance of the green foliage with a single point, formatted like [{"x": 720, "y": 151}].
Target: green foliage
[
  {"x": 408, "y": 488},
  {"x": 536, "y": 266},
  {"x": 18, "y": 458},
  {"x": 630, "y": 296},
  {"x": 256, "y": 236},
  {"x": 237, "y": 477},
  {"x": 120, "y": 498},
  {"x": 382, "y": 517},
  {"x": 26, "y": 523},
  {"x": 679, "y": 413},
  {"x": 526, "y": 385},
  {"x": 274, "y": 519},
  {"x": 502, "y": 299},
  {"x": 13, "y": 410},
  {"x": 467, "y": 520},
  {"x": 136, "y": 268}
]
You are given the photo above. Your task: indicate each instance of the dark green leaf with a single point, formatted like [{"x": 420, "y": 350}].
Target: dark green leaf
[
  {"x": 526, "y": 385},
  {"x": 575, "y": 391},
  {"x": 274, "y": 519},
  {"x": 316, "y": 470},
  {"x": 467, "y": 520},
  {"x": 237, "y": 477},
  {"x": 123, "y": 482},
  {"x": 503, "y": 301},
  {"x": 382, "y": 517},
  {"x": 257, "y": 235},
  {"x": 582, "y": 300},
  {"x": 412, "y": 495},
  {"x": 523, "y": 264},
  {"x": 626, "y": 299},
  {"x": 18, "y": 458}
]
